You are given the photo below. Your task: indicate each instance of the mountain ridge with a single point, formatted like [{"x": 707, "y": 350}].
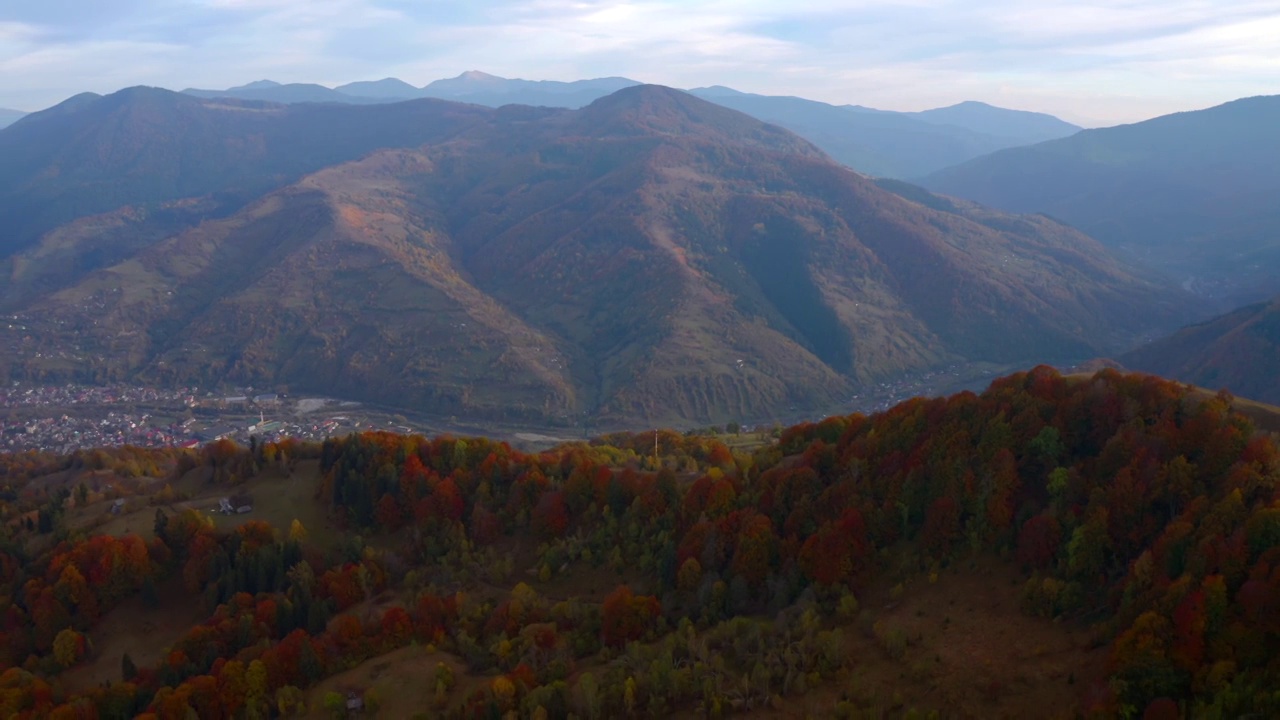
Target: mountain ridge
[
  {"x": 877, "y": 142},
  {"x": 652, "y": 256}
]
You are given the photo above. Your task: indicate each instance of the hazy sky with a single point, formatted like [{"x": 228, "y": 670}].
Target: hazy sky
[{"x": 1091, "y": 61}]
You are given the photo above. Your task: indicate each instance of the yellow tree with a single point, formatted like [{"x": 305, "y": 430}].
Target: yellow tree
[
  {"x": 504, "y": 692},
  {"x": 255, "y": 679},
  {"x": 68, "y": 647},
  {"x": 297, "y": 532},
  {"x": 232, "y": 687}
]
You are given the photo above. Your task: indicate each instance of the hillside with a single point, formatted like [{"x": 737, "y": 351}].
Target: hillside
[
  {"x": 651, "y": 257},
  {"x": 1239, "y": 351},
  {"x": 1191, "y": 193},
  {"x": 1057, "y": 547},
  {"x": 94, "y": 179}
]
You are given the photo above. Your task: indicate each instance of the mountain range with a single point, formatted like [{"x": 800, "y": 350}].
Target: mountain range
[
  {"x": 9, "y": 117},
  {"x": 1191, "y": 193},
  {"x": 875, "y": 142},
  {"x": 473, "y": 87},
  {"x": 1239, "y": 351},
  {"x": 651, "y": 257}
]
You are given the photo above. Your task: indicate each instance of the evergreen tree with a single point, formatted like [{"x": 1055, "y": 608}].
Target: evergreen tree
[
  {"x": 161, "y": 525},
  {"x": 149, "y": 598}
]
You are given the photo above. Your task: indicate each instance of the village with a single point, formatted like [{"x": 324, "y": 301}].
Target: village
[{"x": 62, "y": 419}]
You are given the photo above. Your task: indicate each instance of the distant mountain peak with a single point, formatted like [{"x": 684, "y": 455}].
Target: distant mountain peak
[
  {"x": 479, "y": 76},
  {"x": 389, "y": 88},
  {"x": 257, "y": 85},
  {"x": 985, "y": 117},
  {"x": 716, "y": 91},
  {"x": 147, "y": 94}
]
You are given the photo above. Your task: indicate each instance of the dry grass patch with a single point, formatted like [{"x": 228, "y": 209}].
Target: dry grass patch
[
  {"x": 403, "y": 679},
  {"x": 144, "y": 633},
  {"x": 962, "y": 646}
]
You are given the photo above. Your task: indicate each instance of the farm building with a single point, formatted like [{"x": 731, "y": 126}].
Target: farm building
[{"x": 235, "y": 504}]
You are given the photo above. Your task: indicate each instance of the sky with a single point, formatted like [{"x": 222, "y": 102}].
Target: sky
[{"x": 1094, "y": 62}]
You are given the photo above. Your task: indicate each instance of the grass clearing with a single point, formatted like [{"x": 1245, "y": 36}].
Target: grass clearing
[
  {"x": 404, "y": 679},
  {"x": 747, "y": 442},
  {"x": 277, "y": 500}
]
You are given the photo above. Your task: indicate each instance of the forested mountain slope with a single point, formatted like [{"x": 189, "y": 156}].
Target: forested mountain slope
[
  {"x": 651, "y": 257},
  {"x": 1191, "y": 192},
  {"x": 1239, "y": 351},
  {"x": 87, "y": 182}
]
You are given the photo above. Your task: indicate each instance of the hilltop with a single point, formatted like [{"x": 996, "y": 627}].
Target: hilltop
[{"x": 649, "y": 258}]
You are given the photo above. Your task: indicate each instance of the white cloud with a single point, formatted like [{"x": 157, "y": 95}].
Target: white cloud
[{"x": 1112, "y": 60}]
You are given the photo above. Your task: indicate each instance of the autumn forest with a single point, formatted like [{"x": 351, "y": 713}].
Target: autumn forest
[{"x": 603, "y": 579}]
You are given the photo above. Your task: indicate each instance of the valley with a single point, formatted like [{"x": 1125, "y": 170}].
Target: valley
[{"x": 62, "y": 419}]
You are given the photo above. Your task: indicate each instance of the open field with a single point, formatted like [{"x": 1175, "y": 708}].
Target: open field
[
  {"x": 747, "y": 442},
  {"x": 277, "y": 500},
  {"x": 403, "y": 679}
]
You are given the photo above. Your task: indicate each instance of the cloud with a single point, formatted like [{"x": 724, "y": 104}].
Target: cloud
[{"x": 1113, "y": 60}]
